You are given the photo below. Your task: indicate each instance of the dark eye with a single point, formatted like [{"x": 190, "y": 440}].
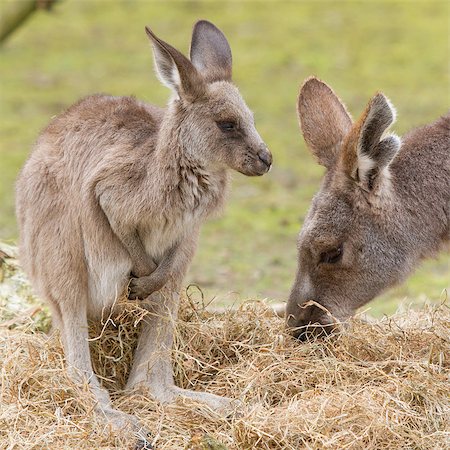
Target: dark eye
[
  {"x": 331, "y": 256},
  {"x": 227, "y": 126}
]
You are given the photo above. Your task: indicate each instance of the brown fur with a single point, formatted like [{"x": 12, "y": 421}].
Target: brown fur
[
  {"x": 115, "y": 187},
  {"x": 382, "y": 208},
  {"x": 331, "y": 115}
]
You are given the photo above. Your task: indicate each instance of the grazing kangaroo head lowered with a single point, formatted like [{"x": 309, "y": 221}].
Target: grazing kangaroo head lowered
[
  {"x": 112, "y": 198},
  {"x": 382, "y": 207},
  {"x": 214, "y": 122}
]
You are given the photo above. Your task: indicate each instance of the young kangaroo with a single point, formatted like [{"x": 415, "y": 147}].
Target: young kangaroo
[
  {"x": 384, "y": 205},
  {"x": 116, "y": 188}
]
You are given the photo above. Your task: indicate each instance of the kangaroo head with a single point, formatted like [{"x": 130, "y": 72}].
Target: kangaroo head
[
  {"x": 347, "y": 251},
  {"x": 214, "y": 125}
]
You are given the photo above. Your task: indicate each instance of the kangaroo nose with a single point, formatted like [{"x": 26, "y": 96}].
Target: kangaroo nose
[
  {"x": 265, "y": 156},
  {"x": 310, "y": 323},
  {"x": 303, "y": 335},
  {"x": 314, "y": 331}
]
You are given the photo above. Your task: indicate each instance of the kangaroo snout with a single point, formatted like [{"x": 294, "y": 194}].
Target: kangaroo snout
[
  {"x": 261, "y": 161},
  {"x": 309, "y": 321},
  {"x": 265, "y": 156}
]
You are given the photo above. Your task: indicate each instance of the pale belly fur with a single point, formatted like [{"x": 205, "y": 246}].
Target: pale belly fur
[{"x": 109, "y": 274}]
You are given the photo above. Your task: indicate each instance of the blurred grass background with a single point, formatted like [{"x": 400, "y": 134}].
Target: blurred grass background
[{"x": 82, "y": 47}]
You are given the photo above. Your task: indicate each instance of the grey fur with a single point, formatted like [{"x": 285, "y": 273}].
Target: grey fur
[
  {"x": 210, "y": 52},
  {"x": 381, "y": 208},
  {"x": 115, "y": 187}
]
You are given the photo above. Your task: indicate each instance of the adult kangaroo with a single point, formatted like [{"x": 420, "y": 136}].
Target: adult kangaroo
[
  {"x": 116, "y": 188},
  {"x": 383, "y": 206}
]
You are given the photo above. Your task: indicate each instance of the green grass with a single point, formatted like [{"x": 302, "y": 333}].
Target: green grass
[{"x": 83, "y": 47}]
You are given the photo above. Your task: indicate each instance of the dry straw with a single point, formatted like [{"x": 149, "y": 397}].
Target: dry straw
[{"x": 377, "y": 385}]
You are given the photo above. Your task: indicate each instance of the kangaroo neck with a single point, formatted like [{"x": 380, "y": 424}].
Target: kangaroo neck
[{"x": 185, "y": 180}]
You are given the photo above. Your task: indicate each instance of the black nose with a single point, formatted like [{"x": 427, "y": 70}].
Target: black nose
[
  {"x": 314, "y": 331},
  {"x": 266, "y": 157},
  {"x": 306, "y": 333},
  {"x": 302, "y": 335}
]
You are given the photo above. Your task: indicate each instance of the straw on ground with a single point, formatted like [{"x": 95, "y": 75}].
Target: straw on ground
[{"x": 377, "y": 385}]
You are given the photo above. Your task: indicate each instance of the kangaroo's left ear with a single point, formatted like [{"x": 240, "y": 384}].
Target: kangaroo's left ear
[
  {"x": 366, "y": 152},
  {"x": 210, "y": 52}
]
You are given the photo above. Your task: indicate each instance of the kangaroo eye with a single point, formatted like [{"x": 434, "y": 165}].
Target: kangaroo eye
[
  {"x": 331, "y": 256},
  {"x": 227, "y": 126}
]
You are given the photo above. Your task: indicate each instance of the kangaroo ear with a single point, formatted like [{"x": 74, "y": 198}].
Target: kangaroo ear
[
  {"x": 174, "y": 70},
  {"x": 210, "y": 52},
  {"x": 373, "y": 152},
  {"x": 324, "y": 120}
]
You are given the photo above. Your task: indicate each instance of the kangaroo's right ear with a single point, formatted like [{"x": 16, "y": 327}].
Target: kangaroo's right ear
[
  {"x": 324, "y": 120},
  {"x": 174, "y": 70}
]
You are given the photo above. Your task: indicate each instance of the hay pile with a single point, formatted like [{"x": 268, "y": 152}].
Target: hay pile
[{"x": 378, "y": 385}]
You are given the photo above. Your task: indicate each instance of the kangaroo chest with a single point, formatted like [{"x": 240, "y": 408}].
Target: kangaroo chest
[
  {"x": 161, "y": 233},
  {"x": 187, "y": 203}
]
